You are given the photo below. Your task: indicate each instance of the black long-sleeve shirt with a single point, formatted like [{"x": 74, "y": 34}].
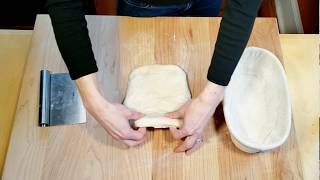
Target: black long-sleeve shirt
[{"x": 70, "y": 29}]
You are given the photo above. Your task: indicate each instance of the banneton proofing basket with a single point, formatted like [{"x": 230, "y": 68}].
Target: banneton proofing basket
[{"x": 256, "y": 104}]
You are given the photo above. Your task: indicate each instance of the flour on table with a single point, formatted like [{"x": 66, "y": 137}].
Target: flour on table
[{"x": 155, "y": 90}]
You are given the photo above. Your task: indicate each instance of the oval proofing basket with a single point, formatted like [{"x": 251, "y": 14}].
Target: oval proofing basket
[{"x": 256, "y": 104}]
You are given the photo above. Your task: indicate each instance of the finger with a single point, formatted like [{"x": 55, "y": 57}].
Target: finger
[
  {"x": 178, "y": 133},
  {"x": 135, "y": 135},
  {"x": 114, "y": 135},
  {"x": 117, "y": 139},
  {"x": 134, "y": 115},
  {"x": 142, "y": 130},
  {"x": 178, "y": 113},
  {"x": 131, "y": 143},
  {"x": 194, "y": 148},
  {"x": 187, "y": 144}
]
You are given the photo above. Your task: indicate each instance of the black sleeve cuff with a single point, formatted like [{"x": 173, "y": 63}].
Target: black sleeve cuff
[
  {"x": 78, "y": 72},
  {"x": 220, "y": 70}
]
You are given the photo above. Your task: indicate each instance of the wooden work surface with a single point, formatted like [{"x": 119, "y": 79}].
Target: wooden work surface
[
  {"x": 87, "y": 152},
  {"x": 11, "y": 72},
  {"x": 302, "y": 63}
]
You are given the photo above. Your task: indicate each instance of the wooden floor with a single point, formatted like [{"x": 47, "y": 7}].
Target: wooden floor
[
  {"x": 301, "y": 60},
  {"x": 14, "y": 48}
]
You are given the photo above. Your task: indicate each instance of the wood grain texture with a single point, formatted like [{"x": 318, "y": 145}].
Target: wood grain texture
[
  {"x": 14, "y": 48},
  {"x": 301, "y": 59},
  {"x": 120, "y": 44}
]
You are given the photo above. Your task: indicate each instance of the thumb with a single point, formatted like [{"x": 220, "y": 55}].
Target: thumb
[
  {"x": 137, "y": 134},
  {"x": 178, "y": 114},
  {"x": 135, "y": 115},
  {"x": 142, "y": 130},
  {"x": 178, "y": 133}
]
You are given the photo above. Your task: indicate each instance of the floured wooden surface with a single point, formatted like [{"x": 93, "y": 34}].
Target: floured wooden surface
[
  {"x": 302, "y": 67},
  {"x": 120, "y": 45},
  {"x": 155, "y": 90}
]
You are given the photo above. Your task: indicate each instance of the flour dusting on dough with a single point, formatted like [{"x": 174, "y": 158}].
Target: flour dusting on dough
[{"x": 155, "y": 90}]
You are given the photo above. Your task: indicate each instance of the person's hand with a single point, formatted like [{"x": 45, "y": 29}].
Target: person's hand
[
  {"x": 196, "y": 114},
  {"x": 114, "y": 118}
]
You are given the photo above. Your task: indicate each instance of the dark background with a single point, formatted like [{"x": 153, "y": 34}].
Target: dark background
[{"x": 21, "y": 14}]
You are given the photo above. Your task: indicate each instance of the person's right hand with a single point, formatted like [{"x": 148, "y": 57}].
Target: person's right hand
[{"x": 114, "y": 118}]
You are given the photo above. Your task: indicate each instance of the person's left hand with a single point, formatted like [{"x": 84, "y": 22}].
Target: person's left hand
[{"x": 196, "y": 114}]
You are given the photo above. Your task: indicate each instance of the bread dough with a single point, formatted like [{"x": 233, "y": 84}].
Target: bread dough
[
  {"x": 157, "y": 122},
  {"x": 155, "y": 90}
]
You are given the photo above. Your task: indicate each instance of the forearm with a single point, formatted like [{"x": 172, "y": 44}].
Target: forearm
[
  {"x": 234, "y": 33},
  {"x": 90, "y": 92},
  {"x": 212, "y": 94}
]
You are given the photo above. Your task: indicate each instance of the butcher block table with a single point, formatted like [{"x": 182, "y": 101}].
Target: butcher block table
[{"x": 121, "y": 44}]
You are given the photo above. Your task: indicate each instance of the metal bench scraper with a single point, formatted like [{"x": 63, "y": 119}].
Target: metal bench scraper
[{"x": 60, "y": 102}]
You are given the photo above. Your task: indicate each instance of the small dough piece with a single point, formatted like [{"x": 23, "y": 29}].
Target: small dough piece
[{"x": 155, "y": 90}]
